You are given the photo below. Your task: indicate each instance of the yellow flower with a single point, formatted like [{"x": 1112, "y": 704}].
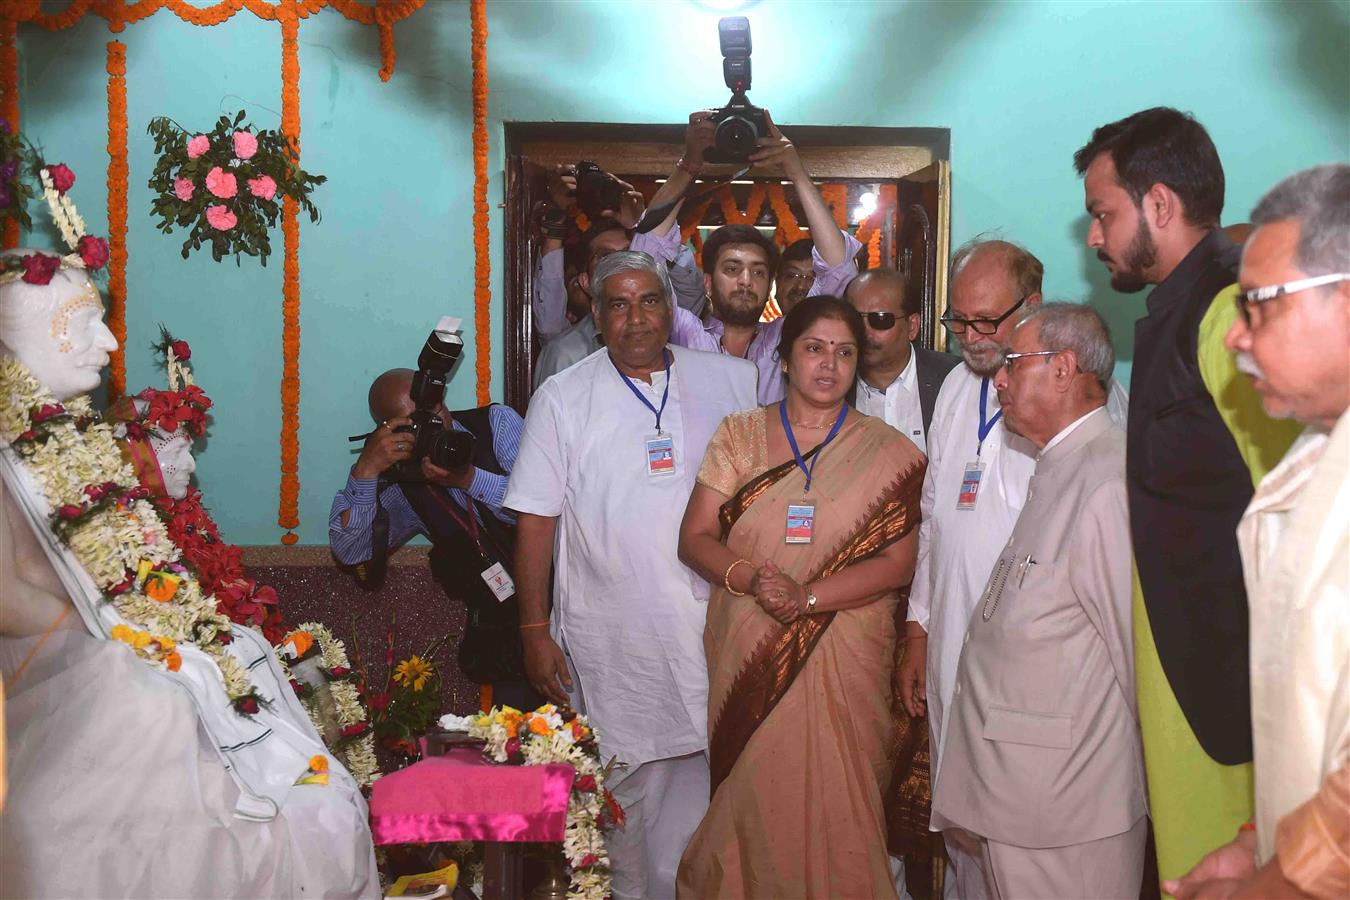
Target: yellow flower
[{"x": 413, "y": 672}]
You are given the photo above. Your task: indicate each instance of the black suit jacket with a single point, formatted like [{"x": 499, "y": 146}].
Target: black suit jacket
[{"x": 932, "y": 367}]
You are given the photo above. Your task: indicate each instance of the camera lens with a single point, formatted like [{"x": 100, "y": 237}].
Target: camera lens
[{"x": 736, "y": 136}]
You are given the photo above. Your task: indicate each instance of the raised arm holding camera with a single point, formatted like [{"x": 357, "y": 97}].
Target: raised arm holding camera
[{"x": 426, "y": 470}]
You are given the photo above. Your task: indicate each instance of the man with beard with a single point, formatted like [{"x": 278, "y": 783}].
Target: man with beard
[
  {"x": 739, "y": 262},
  {"x": 1197, "y": 442},
  {"x": 897, "y": 381}
]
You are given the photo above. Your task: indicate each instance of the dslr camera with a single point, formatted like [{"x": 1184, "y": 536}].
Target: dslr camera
[
  {"x": 433, "y": 440},
  {"x": 740, "y": 124},
  {"x": 597, "y": 190}
]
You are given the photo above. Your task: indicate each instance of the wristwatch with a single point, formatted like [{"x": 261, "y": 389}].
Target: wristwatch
[{"x": 810, "y": 601}]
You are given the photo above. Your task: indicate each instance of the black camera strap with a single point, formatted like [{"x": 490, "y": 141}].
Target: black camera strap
[
  {"x": 657, "y": 214},
  {"x": 370, "y": 574}
]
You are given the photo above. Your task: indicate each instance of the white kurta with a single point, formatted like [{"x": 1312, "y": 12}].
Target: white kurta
[
  {"x": 958, "y": 547},
  {"x": 630, "y": 614}
]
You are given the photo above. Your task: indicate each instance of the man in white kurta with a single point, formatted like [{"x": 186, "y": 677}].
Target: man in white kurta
[{"x": 627, "y": 614}]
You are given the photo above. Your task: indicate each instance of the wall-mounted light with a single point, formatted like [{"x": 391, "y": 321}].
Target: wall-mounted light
[{"x": 725, "y": 6}]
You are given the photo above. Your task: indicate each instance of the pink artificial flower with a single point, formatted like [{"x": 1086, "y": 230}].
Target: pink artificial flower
[
  {"x": 197, "y": 146},
  {"x": 221, "y": 183},
  {"x": 220, "y": 218},
  {"x": 262, "y": 187},
  {"x": 245, "y": 144},
  {"x": 62, "y": 178},
  {"x": 93, "y": 251},
  {"x": 183, "y": 188}
]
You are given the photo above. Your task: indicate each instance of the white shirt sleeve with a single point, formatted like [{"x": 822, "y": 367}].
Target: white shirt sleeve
[
  {"x": 550, "y": 296},
  {"x": 921, "y": 591},
  {"x": 539, "y": 479}
]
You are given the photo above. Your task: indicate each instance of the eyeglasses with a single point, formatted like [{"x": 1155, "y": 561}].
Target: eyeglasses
[
  {"x": 802, "y": 277},
  {"x": 1010, "y": 358},
  {"x": 880, "y": 321},
  {"x": 958, "y": 325},
  {"x": 1247, "y": 299}
]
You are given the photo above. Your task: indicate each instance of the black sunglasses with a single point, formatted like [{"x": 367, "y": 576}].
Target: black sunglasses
[
  {"x": 880, "y": 321},
  {"x": 958, "y": 325}
]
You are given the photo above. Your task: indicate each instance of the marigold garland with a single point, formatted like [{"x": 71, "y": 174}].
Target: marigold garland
[
  {"x": 287, "y": 13},
  {"x": 117, "y": 215},
  {"x": 482, "y": 265},
  {"x": 288, "y": 513}
]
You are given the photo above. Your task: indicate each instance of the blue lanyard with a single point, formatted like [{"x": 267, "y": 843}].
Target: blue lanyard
[
  {"x": 665, "y": 395},
  {"x": 986, "y": 425},
  {"x": 792, "y": 440}
]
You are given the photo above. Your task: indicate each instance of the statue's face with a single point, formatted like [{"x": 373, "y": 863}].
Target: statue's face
[
  {"x": 176, "y": 462},
  {"x": 57, "y": 331}
]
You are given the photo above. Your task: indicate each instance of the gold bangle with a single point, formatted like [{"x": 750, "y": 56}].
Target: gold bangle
[
  {"x": 726, "y": 578},
  {"x": 544, "y": 624}
]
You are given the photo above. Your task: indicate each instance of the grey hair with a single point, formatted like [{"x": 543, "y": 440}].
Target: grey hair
[
  {"x": 622, "y": 261},
  {"x": 1319, "y": 200},
  {"x": 1021, "y": 264},
  {"x": 1081, "y": 330}
]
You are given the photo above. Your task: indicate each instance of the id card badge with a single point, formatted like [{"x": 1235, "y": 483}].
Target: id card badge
[
  {"x": 660, "y": 454},
  {"x": 499, "y": 582},
  {"x": 801, "y": 522},
  {"x": 970, "y": 486}
]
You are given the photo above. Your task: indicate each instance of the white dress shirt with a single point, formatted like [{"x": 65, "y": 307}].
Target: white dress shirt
[{"x": 898, "y": 405}]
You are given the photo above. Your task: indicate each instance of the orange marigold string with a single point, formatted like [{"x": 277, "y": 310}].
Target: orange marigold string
[
  {"x": 482, "y": 289},
  {"x": 788, "y": 229},
  {"x": 117, "y": 214},
  {"x": 874, "y": 249},
  {"x": 9, "y": 102},
  {"x": 288, "y": 513}
]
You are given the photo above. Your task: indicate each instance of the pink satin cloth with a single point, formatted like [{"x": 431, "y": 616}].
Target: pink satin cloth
[{"x": 462, "y": 797}]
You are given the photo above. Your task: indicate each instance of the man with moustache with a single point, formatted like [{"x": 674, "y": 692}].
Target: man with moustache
[
  {"x": 1292, "y": 337},
  {"x": 796, "y": 275},
  {"x": 1197, "y": 442},
  {"x": 897, "y": 380},
  {"x": 607, "y": 461},
  {"x": 1043, "y": 768}
]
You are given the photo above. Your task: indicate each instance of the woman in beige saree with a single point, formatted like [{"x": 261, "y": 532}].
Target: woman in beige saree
[{"x": 800, "y": 637}]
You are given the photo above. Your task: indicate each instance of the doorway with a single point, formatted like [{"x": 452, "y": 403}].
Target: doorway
[{"x": 889, "y": 187}]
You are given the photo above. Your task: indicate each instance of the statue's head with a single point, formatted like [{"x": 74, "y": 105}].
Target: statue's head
[
  {"x": 173, "y": 451},
  {"x": 56, "y": 330}
]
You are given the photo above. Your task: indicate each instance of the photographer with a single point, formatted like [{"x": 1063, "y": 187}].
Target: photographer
[
  {"x": 739, "y": 262},
  {"x": 459, "y": 511},
  {"x": 554, "y": 305}
]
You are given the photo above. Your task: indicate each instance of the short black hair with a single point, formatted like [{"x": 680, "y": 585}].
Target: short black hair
[
  {"x": 738, "y": 234},
  {"x": 598, "y": 227},
  {"x": 807, "y": 312},
  {"x": 1162, "y": 146},
  {"x": 797, "y": 251}
]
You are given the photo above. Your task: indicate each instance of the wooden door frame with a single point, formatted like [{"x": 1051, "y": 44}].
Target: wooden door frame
[{"x": 829, "y": 153}]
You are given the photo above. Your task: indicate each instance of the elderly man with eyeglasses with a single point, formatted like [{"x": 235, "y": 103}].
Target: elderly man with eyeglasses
[
  {"x": 973, "y": 491},
  {"x": 1292, "y": 338},
  {"x": 1042, "y": 769}
]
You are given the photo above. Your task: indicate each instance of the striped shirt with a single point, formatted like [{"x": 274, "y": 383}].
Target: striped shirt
[{"x": 351, "y": 543}]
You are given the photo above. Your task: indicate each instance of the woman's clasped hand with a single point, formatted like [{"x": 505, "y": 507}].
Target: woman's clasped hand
[{"x": 778, "y": 594}]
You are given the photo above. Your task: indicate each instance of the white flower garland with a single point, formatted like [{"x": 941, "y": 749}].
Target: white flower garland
[
  {"x": 542, "y": 737},
  {"x": 112, "y": 540},
  {"x": 358, "y": 753},
  {"x": 67, "y": 219}
]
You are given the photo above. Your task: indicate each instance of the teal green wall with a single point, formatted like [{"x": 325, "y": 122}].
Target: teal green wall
[{"x": 1020, "y": 85}]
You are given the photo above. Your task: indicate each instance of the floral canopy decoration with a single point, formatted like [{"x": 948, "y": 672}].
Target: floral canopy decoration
[{"x": 227, "y": 186}]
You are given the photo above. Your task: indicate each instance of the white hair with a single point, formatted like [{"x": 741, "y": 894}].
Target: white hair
[
  {"x": 1079, "y": 329},
  {"x": 621, "y": 261}
]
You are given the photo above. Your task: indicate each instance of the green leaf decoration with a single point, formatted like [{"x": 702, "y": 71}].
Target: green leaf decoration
[{"x": 229, "y": 202}]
